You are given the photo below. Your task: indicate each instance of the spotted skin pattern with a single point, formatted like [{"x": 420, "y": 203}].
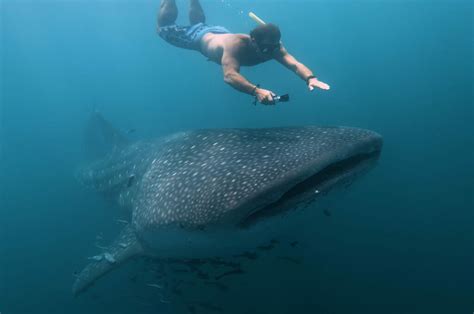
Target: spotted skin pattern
[
  {"x": 198, "y": 178},
  {"x": 205, "y": 178}
]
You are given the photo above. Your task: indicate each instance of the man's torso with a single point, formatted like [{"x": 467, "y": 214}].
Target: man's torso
[{"x": 213, "y": 46}]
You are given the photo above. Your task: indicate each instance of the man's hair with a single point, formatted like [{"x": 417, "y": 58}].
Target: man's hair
[{"x": 269, "y": 32}]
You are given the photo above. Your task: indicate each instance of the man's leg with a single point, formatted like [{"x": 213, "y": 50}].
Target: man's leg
[
  {"x": 168, "y": 13},
  {"x": 196, "y": 14}
]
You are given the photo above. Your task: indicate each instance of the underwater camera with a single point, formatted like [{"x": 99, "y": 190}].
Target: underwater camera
[
  {"x": 282, "y": 98},
  {"x": 276, "y": 99}
]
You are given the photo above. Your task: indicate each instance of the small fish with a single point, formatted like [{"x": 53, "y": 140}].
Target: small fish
[
  {"x": 232, "y": 272},
  {"x": 154, "y": 285},
  {"x": 327, "y": 213},
  {"x": 348, "y": 184},
  {"x": 96, "y": 258},
  {"x": 131, "y": 131},
  {"x": 248, "y": 255},
  {"x": 122, "y": 221},
  {"x": 162, "y": 300},
  {"x": 110, "y": 258},
  {"x": 219, "y": 262},
  {"x": 294, "y": 243},
  {"x": 122, "y": 245},
  {"x": 97, "y": 245}
]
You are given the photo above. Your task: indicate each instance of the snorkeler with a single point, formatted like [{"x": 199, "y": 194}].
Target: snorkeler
[{"x": 232, "y": 50}]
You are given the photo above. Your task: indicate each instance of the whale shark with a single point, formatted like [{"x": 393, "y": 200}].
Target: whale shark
[{"x": 214, "y": 192}]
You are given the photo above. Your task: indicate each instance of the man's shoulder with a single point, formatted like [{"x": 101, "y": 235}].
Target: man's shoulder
[
  {"x": 242, "y": 38},
  {"x": 236, "y": 42}
]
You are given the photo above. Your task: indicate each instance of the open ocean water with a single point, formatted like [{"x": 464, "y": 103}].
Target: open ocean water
[{"x": 399, "y": 241}]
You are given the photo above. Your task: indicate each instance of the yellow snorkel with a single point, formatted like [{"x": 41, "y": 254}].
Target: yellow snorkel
[{"x": 257, "y": 20}]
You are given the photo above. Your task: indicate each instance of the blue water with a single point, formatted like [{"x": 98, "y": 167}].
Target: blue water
[{"x": 399, "y": 241}]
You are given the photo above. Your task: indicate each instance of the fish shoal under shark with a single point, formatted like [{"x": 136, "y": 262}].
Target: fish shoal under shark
[{"x": 214, "y": 192}]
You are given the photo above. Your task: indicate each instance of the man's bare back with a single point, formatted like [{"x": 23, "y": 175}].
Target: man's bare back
[
  {"x": 232, "y": 51},
  {"x": 213, "y": 46}
]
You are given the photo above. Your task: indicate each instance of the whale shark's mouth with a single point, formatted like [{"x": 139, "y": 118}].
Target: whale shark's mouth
[{"x": 340, "y": 172}]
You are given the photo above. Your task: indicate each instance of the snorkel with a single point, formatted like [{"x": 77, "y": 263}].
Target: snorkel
[
  {"x": 265, "y": 47},
  {"x": 257, "y": 20},
  {"x": 276, "y": 98}
]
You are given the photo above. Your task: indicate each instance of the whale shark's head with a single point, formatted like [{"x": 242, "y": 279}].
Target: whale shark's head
[{"x": 239, "y": 176}]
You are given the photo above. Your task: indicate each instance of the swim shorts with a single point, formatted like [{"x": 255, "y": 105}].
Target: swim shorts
[{"x": 188, "y": 37}]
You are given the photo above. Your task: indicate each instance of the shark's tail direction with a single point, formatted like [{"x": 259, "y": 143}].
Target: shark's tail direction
[
  {"x": 101, "y": 137},
  {"x": 125, "y": 247}
]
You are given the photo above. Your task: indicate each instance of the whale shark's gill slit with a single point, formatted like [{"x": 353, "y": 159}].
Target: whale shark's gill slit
[{"x": 331, "y": 172}]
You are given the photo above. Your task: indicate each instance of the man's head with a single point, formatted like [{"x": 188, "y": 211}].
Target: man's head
[{"x": 266, "y": 37}]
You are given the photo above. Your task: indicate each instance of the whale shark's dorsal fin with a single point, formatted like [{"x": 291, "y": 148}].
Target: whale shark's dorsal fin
[
  {"x": 102, "y": 137},
  {"x": 125, "y": 247}
]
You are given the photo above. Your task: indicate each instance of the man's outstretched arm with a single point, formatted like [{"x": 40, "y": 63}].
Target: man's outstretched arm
[
  {"x": 300, "y": 69},
  {"x": 232, "y": 76}
]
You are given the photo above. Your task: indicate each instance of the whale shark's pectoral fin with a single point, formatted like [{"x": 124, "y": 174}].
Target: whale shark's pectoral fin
[{"x": 125, "y": 247}]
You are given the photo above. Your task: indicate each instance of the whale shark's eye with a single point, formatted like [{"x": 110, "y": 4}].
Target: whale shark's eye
[{"x": 130, "y": 181}]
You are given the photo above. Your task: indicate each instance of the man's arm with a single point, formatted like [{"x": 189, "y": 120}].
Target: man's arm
[
  {"x": 300, "y": 69},
  {"x": 232, "y": 76}
]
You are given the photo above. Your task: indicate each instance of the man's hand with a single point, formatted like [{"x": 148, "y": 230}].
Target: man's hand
[
  {"x": 313, "y": 83},
  {"x": 264, "y": 96}
]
